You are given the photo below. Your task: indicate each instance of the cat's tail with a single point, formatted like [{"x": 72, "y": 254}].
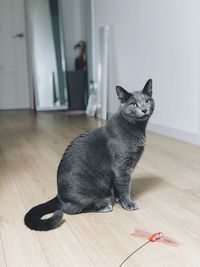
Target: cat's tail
[{"x": 33, "y": 218}]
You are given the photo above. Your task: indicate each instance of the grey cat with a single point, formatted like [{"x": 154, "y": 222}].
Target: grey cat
[{"x": 95, "y": 170}]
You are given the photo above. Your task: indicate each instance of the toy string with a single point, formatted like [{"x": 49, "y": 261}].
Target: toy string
[{"x": 134, "y": 252}]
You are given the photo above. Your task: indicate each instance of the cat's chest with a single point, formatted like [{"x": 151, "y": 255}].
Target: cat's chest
[
  {"x": 131, "y": 150},
  {"x": 135, "y": 152},
  {"x": 135, "y": 145},
  {"x": 127, "y": 148},
  {"x": 138, "y": 145}
]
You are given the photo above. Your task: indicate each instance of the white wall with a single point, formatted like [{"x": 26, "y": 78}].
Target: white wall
[
  {"x": 73, "y": 17},
  {"x": 159, "y": 40}
]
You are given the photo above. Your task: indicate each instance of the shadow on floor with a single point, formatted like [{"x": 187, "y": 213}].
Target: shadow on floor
[{"x": 145, "y": 184}]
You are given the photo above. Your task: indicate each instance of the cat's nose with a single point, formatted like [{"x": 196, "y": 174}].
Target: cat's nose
[{"x": 144, "y": 110}]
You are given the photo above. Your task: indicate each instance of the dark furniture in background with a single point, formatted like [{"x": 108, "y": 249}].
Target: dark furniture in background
[{"x": 77, "y": 89}]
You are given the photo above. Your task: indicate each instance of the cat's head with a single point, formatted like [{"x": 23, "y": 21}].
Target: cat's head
[{"x": 136, "y": 106}]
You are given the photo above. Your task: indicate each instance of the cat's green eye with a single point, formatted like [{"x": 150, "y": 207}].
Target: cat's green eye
[
  {"x": 148, "y": 101},
  {"x": 134, "y": 105}
]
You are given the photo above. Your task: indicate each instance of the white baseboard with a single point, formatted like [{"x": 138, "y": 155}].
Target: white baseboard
[
  {"x": 175, "y": 133},
  {"x": 52, "y": 108}
]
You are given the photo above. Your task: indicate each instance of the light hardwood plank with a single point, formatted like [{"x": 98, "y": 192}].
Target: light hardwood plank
[{"x": 2, "y": 255}]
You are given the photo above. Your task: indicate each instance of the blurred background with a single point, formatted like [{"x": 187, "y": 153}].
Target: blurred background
[{"x": 70, "y": 54}]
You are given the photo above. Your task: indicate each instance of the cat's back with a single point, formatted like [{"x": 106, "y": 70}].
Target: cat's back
[
  {"x": 88, "y": 147},
  {"x": 89, "y": 141}
]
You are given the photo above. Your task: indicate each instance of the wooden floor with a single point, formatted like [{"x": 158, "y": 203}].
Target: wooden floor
[{"x": 166, "y": 185}]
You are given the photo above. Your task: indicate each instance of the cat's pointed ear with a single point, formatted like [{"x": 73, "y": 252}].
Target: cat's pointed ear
[
  {"x": 122, "y": 94},
  {"x": 148, "y": 88}
]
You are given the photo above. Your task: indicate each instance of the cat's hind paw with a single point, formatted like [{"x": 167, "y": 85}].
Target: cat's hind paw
[{"x": 106, "y": 209}]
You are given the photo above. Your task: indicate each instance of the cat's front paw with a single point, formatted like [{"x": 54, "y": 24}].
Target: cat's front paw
[{"x": 129, "y": 205}]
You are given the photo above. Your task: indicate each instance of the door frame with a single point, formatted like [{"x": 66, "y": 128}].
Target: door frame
[{"x": 29, "y": 55}]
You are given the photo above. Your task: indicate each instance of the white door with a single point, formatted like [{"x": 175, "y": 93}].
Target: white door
[{"x": 14, "y": 89}]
